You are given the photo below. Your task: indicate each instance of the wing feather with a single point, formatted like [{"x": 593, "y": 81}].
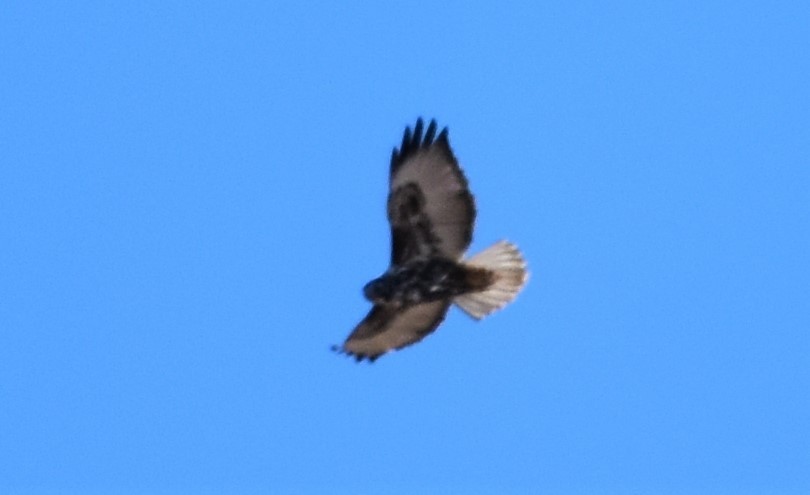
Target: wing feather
[
  {"x": 388, "y": 328},
  {"x": 430, "y": 207}
]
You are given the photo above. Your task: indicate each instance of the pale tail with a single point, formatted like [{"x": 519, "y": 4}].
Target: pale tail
[{"x": 504, "y": 259}]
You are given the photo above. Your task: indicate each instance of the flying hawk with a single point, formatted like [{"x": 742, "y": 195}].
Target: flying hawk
[{"x": 431, "y": 212}]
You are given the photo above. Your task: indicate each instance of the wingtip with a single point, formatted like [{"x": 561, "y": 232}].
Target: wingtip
[
  {"x": 443, "y": 136},
  {"x": 358, "y": 358},
  {"x": 417, "y": 132},
  {"x": 430, "y": 133},
  {"x": 413, "y": 140},
  {"x": 394, "y": 158},
  {"x": 406, "y": 141}
]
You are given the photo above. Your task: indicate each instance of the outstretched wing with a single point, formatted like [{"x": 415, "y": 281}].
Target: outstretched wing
[
  {"x": 430, "y": 207},
  {"x": 387, "y": 328}
]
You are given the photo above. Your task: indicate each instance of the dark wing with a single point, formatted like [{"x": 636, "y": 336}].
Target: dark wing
[
  {"x": 430, "y": 206},
  {"x": 387, "y": 328}
]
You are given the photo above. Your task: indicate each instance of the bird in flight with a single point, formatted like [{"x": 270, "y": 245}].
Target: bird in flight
[{"x": 431, "y": 212}]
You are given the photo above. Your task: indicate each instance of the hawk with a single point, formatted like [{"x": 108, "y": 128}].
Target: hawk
[{"x": 431, "y": 212}]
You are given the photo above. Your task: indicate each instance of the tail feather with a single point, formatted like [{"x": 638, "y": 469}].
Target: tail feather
[{"x": 504, "y": 260}]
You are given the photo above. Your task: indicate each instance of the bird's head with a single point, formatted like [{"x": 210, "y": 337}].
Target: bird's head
[{"x": 378, "y": 290}]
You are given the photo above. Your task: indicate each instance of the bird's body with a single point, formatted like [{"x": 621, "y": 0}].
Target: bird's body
[
  {"x": 425, "y": 280},
  {"x": 432, "y": 213}
]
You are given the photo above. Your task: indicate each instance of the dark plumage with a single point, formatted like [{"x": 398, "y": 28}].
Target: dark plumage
[{"x": 432, "y": 213}]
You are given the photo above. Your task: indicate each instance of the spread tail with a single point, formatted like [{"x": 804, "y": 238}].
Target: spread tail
[{"x": 507, "y": 265}]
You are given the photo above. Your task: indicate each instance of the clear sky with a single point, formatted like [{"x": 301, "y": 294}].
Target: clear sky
[{"x": 192, "y": 196}]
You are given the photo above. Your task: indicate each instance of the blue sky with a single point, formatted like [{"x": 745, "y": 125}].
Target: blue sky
[{"x": 192, "y": 197}]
